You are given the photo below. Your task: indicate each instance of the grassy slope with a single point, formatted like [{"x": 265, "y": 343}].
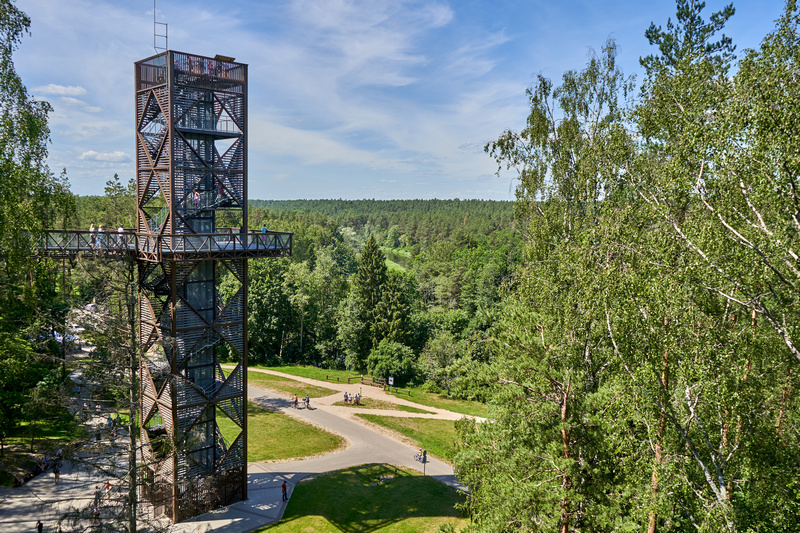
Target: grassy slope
[
  {"x": 49, "y": 436},
  {"x": 363, "y": 499},
  {"x": 312, "y": 372},
  {"x": 436, "y": 436},
  {"x": 417, "y": 394},
  {"x": 431, "y": 399},
  {"x": 288, "y": 386}
]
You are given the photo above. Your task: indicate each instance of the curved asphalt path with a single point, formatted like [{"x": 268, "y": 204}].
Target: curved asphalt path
[
  {"x": 364, "y": 446},
  {"x": 42, "y": 499}
]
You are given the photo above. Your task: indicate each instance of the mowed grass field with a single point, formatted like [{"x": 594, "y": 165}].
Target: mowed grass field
[
  {"x": 372, "y": 403},
  {"x": 436, "y": 436},
  {"x": 274, "y": 436},
  {"x": 418, "y": 395},
  {"x": 312, "y": 372},
  {"x": 287, "y": 385},
  {"x": 431, "y": 399},
  {"x": 371, "y": 498}
]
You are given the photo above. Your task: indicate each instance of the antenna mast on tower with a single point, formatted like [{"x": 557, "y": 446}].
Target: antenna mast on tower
[{"x": 159, "y": 38}]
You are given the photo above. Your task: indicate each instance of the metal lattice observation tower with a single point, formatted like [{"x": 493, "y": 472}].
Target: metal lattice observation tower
[{"x": 191, "y": 164}]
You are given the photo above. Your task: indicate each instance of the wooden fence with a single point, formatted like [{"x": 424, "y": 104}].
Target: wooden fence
[{"x": 367, "y": 380}]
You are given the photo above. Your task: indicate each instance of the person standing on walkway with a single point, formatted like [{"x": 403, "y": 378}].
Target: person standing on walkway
[
  {"x": 39, "y": 526},
  {"x": 107, "y": 490},
  {"x": 97, "y": 495},
  {"x": 283, "y": 488},
  {"x": 100, "y": 235},
  {"x": 57, "y": 473},
  {"x": 92, "y": 236}
]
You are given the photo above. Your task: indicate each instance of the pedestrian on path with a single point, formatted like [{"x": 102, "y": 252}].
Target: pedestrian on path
[
  {"x": 39, "y": 526},
  {"x": 283, "y": 488},
  {"x": 98, "y": 493},
  {"x": 57, "y": 473},
  {"x": 107, "y": 489}
]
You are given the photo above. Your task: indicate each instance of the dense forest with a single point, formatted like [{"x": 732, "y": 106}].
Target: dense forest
[
  {"x": 631, "y": 320},
  {"x": 414, "y": 281}
]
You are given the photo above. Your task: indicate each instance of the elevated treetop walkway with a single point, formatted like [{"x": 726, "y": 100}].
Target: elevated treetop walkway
[{"x": 224, "y": 244}]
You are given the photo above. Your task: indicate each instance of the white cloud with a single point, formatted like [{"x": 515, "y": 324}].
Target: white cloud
[
  {"x": 113, "y": 157},
  {"x": 81, "y": 104},
  {"x": 59, "y": 90}
]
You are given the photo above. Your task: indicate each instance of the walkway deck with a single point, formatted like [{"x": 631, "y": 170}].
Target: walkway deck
[{"x": 165, "y": 247}]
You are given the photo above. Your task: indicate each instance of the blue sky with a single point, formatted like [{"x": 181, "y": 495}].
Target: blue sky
[{"x": 347, "y": 98}]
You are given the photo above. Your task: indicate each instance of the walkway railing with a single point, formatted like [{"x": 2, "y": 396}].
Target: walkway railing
[{"x": 230, "y": 244}]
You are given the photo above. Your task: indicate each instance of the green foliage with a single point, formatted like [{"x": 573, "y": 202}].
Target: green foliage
[
  {"x": 31, "y": 200},
  {"x": 422, "y": 222},
  {"x": 391, "y": 359},
  {"x": 269, "y": 310},
  {"x": 640, "y": 370},
  {"x": 21, "y": 371},
  {"x": 30, "y": 196}
]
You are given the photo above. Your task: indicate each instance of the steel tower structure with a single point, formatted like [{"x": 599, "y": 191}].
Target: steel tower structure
[{"x": 191, "y": 160}]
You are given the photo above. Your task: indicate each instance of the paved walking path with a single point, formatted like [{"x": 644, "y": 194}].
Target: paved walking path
[
  {"x": 364, "y": 446},
  {"x": 41, "y": 499}
]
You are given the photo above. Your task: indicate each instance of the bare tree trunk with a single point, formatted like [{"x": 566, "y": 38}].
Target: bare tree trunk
[
  {"x": 785, "y": 400},
  {"x": 567, "y": 481},
  {"x": 651, "y": 527}
]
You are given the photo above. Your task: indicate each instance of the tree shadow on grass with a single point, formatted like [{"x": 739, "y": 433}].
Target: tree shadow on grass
[{"x": 369, "y": 498}]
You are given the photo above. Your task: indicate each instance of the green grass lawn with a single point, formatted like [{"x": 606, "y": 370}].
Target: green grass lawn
[
  {"x": 371, "y": 498},
  {"x": 418, "y": 395},
  {"x": 312, "y": 372},
  {"x": 275, "y": 436},
  {"x": 48, "y": 436},
  {"x": 431, "y": 399},
  {"x": 436, "y": 436},
  {"x": 371, "y": 403},
  {"x": 287, "y": 385}
]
